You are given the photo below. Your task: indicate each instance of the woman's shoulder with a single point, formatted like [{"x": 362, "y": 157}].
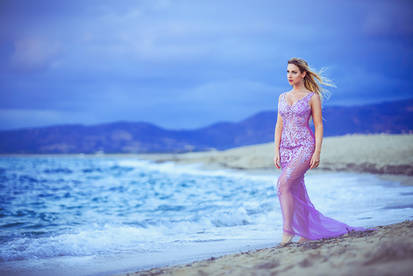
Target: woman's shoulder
[{"x": 310, "y": 93}]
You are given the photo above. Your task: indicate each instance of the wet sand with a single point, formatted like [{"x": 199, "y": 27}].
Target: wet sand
[{"x": 387, "y": 251}]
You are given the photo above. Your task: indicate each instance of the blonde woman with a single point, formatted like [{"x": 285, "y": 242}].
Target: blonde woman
[{"x": 297, "y": 149}]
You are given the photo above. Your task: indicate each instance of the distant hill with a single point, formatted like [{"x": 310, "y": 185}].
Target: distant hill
[{"x": 139, "y": 137}]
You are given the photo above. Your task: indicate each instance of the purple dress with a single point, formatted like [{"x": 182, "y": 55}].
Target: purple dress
[{"x": 297, "y": 146}]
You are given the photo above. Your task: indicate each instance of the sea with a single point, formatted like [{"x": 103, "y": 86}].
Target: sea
[{"x": 99, "y": 215}]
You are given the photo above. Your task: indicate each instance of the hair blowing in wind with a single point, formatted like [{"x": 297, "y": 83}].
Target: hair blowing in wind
[{"x": 313, "y": 80}]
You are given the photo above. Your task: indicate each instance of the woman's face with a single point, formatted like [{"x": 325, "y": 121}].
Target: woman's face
[{"x": 293, "y": 74}]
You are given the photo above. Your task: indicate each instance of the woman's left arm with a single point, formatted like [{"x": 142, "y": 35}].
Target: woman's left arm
[{"x": 315, "y": 103}]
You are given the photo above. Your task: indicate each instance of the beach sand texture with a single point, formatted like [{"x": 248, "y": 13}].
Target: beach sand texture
[{"x": 387, "y": 251}]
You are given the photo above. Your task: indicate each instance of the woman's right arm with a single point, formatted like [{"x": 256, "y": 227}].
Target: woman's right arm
[
  {"x": 277, "y": 139},
  {"x": 277, "y": 132}
]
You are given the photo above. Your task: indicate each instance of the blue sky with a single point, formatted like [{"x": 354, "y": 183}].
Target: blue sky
[{"x": 187, "y": 64}]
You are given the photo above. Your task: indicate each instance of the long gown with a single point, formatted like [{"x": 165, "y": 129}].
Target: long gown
[{"x": 297, "y": 146}]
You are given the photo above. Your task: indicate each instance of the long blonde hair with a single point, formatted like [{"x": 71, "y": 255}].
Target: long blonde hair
[{"x": 311, "y": 76}]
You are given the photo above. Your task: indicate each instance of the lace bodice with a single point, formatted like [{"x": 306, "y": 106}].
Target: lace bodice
[{"x": 296, "y": 130}]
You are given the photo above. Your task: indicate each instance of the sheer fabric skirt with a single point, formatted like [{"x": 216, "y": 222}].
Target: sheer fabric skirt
[{"x": 300, "y": 217}]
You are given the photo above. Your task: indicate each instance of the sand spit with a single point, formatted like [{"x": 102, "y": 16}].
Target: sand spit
[{"x": 388, "y": 155}]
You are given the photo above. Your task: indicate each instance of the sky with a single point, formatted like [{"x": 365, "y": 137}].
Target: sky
[{"x": 185, "y": 64}]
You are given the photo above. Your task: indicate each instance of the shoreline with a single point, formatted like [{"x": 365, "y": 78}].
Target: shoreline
[
  {"x": 387, "y": 156},
  {"x": 383, "y": 252},
  {"x": 375, "y": 153},
  {"x": 386, "y": 251}
]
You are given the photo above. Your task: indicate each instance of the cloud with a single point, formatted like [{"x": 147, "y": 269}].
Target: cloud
[
  {"x": 18, "y": 118},
  {"x": 227, "y": 91},
  {"x": 35, "y": 54},
  {"x": 389, "y": 19},
  {"x": 182, "y": 63}
]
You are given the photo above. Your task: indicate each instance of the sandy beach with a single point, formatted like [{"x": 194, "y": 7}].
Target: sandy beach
[
  {"x": 390, "y": 156},
  {"x": 387, "y": 251},
  {"x": 375, "y": 153}
]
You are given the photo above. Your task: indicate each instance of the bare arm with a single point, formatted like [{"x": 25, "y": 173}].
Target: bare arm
[
  {"x": 277, "y": 132},
  {"x": 318, "y": 123}
]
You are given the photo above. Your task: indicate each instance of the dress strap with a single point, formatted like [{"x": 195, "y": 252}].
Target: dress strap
[{"x": 309, "y": 95}]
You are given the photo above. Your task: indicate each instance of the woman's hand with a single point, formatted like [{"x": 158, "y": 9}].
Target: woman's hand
[
  {"x": 277, "y": 160},
  {"x": 315, "y": 160}
]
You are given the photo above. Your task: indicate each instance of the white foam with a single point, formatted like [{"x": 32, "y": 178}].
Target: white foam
[{"x": 171, "y": 167}]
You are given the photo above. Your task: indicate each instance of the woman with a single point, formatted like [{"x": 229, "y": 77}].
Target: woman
[{"x": 297, "y": 149}]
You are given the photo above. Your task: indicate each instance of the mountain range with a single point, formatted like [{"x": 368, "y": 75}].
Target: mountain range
[{"x": 395, "y": 117}]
